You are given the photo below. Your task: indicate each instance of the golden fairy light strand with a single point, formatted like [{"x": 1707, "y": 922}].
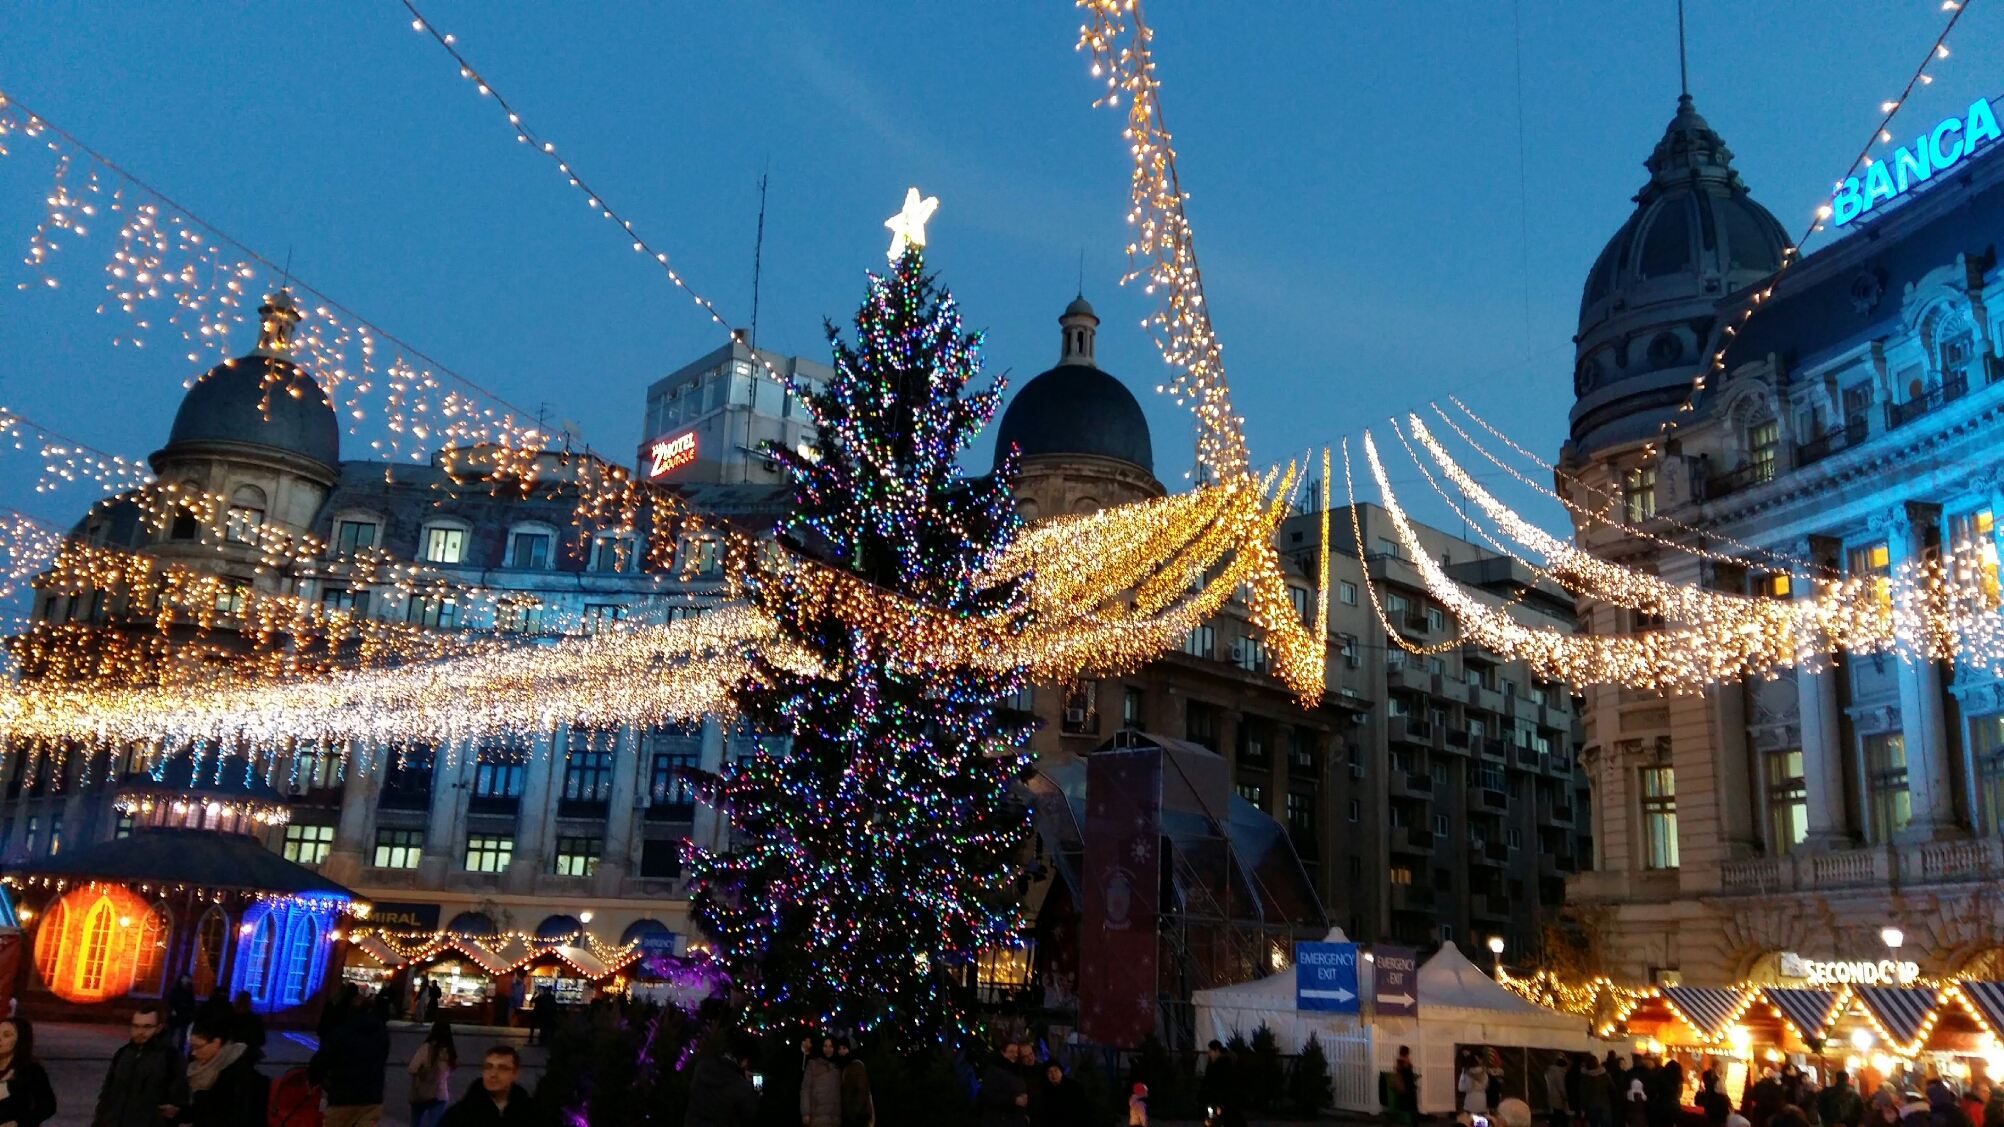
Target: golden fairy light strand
[
  {"x": 1164, "y": 250},
  {"x": 166, "y": 255}
]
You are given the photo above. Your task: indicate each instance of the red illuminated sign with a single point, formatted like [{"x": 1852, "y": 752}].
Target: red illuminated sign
[{"x": 666, "y": 455}]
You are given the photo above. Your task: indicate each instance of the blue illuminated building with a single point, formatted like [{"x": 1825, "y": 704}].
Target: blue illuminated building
[{"x": 1855, "y": 426}]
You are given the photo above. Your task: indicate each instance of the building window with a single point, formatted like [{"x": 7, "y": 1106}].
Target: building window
[
  {"x": 1200, "y": 724},
  {"x": 497, "y": 773},
  {"x": 1440, "y": 826},
  {"x": 1787, "y": 801},
  {"x": 669, "y": 785},
  {"x": 308, "y": 845},
  {"x": 444, "y": 545},
  {"x": 1435, "y": 620},
  {"x": 578, "y": 856},
  {"x": 1388, "y": 548},
  {"x": 1987, "y": 745},
  {"x": 1956, "y": 354},
  {"x": 588, "y": 770},
  {"x": 55, "y": 834},
  {"x": 1346, "y": 644},
  {"x": 1081, "y": 708},
  {"x": 1638, "y": 494},
  {"x": 1356, "y": 808},
  {"x": 186, "y": 526},
  {"x": 529, "y": 551},
  {"x": 1301, "y": 751},
  {"x": 431, "y": 610},
  {"x": 246, "y": 515},
  {"x": 1201, "y": 641},
  {"x": 231, "y": 597},
  {"x": 1304, "y": 604},
  {"x": 345, "y": 600},
  {"x": 1301, "y": 816},
  {"x": 1346, "y": 592},
  {"x": 1659, "y": 817},
  {"x": 1973, "y": 540},
  {"x": 660, "y": 859},
  {"x": 1874, "y": 562},
  {"x": 613, "y": 553},
  {"x": 398, "y": 849},
  {"x": 601, "y": 616},
  {"x": 519, "y": 616},
  {"x": 1762, "y": 442},
  {"x": 486, "y": 853},
  {"x": 1886, "y": 778},
  {"x": 1130, "y": 707},
  {"x": 353, "y": 535},
  {"x": 1252, "y": 792}
]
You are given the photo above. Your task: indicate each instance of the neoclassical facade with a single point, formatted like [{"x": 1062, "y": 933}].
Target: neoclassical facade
[{"x": 1853, "y": 428}]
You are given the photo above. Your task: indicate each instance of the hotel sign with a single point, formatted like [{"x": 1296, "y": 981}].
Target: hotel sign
[
  {"x": 1934, "y": 151},
  {"x": 1861, "y": 972},
  {"x": 670, "y": 453}
]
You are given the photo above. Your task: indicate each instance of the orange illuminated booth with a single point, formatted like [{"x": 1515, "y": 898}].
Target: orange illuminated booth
[{"x": 188, "y": 889}]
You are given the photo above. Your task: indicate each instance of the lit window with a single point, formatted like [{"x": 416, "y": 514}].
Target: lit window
[
  {"x": 1638, "y": 494},
  {"x": 444, "y": 545},
  {"x": 529, "y": 551},
  {"x": 231, "y": 596},
  {"x": 1251, "y": 792},
  {"x": 1886, "y": 779},
  {"x": 1974, "y": 541},
  {"x": 1762, "y": 442},
  {"x": 354, "y": 535},
  {"x": 1873, "y": 563},
  {"x": 577, "y": 856},
  {"x": 308, "y": 845},
  {"x": 1659, "y": 817},
  {"x": 486, "y": 853},
  {"x": 1787, "y": 801},
  {"x": 398, "y": 849}
]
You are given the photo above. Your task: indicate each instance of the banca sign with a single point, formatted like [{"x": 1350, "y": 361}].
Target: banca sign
[{"x": 1934, "y": 151}]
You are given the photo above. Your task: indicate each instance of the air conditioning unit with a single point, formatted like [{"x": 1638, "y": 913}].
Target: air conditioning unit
[
  {"x": 1075, "y": 715},
  {"x": 1356, "y": 770}
]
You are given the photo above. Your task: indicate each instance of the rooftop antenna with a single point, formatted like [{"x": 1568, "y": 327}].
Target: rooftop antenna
[
  {"x": 288, "y": 267},
  {"x": 1683, "y": 74},
  {"x": 758, "y": 257},
  {"x": 1081, "y": 271}
]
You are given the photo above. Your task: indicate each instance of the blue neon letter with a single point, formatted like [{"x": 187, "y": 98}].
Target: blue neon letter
[
  {"x": 1847, "y": 203},
  {"x": 1945, "y": 157}
]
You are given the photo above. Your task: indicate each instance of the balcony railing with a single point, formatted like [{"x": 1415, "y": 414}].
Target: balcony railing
[
  {"x": 1831, "y": 441},
  {"x": 1951, "y": 389},
  {"x": 1882, "y": 866},
  {"x": 1751, "y": 474}
]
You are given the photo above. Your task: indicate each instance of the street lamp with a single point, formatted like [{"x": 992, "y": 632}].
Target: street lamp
[
  {"x": 1892, "y": 937},
  {"x": 1496, "y": 950}
]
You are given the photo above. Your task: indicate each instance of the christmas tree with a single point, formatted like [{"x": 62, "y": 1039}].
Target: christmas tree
[{"x": 874, "y": 859}]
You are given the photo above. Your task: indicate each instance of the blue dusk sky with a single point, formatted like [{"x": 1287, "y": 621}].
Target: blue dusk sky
[{"x": 1393, "y": 202}]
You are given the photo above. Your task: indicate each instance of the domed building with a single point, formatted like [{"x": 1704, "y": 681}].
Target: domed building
[
  {"x": 1849, "y": 431},
  {"x": 1649, "y": 306},
  {"x": 1080, "y": 437}
]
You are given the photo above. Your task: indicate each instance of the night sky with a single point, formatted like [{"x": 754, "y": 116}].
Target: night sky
[{"x": 1375, "y": 227}]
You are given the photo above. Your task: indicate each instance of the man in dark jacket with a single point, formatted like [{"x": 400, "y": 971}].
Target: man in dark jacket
[
  {"x": 350, "y": 1063},
  {"x": 1839, "y": 1105},
  {"x": 497, "y": 1101},
  {"x": 142, "y": 1076},
  {"x": 1064, "y": 1102},
  {"x": 720, "y": 1092},
  {"x": 1221, "y": 1086},
  {"x": 1005, "y": 1102}
]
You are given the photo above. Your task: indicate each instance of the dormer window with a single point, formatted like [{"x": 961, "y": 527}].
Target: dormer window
[
  {"x": 246, "y": 514},
  {"x": 350, "y": 536},
  {"x": 529, "y": 550},
  {"x": 612, "y": 552}
]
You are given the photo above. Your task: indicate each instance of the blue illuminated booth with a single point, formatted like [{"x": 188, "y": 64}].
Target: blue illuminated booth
[{"x": 186, "y": 888}]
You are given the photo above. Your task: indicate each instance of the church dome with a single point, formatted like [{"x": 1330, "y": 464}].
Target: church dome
[
  {"x": 1075, "y": 408},
  {"x": 1648, "y": 307},
  {"x": 262, "y": 399}
]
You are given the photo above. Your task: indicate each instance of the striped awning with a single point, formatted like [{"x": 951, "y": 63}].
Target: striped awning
[
  {"x": 1900, "y": 1010},
  {"x": 1707, "y": 1009},
  {"x": 1809, "y": 1011},
  {"x": 1985, "y": 1001}
]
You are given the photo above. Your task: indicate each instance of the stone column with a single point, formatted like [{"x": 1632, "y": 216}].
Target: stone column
[
  {"x": 711, "y": 829},
  {"x": 17, "y": 840},
  {"x": 1823, "y": 745},
  {"x": 530, "y": 840},
  {"x": 451, "y": 778},
  {"x": 615, "y": 859},
  {"x": 361, "y": 782},
  {"x": 1923, "y": 713}
]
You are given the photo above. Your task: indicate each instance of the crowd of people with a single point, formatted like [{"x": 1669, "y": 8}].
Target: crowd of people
[{"x": 1581, "y": 1090}]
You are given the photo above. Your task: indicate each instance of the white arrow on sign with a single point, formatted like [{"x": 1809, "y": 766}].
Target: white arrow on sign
[
  {"x": 1400, "y": 999},
  {"x": 1339, "y": 994}
]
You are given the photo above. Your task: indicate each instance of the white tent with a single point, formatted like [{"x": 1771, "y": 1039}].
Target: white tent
[{"x": 1458, "y": 1005}]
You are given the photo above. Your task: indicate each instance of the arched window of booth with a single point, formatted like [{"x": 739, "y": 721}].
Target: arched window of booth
[
  {"x": 49, "y": 941},
  {"x": 149, "y": 968},
  {"x": 299, "y": 948},
  {"x": 96, "y": 951},
  {"x": 257, "y": 971},
  {"x": 207, "y": 967}
]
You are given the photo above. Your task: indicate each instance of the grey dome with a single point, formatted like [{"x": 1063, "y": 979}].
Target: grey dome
[
  {"x": 1080, "y": 305},
  {"x": 1650, "y": 301},
  {"x": 261, "y": 400},
  {"x": 1076, "y": 409}
]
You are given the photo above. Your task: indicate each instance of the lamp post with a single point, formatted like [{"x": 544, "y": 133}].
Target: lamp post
[
  {"x": 1496, "y": 953},
  {"x": 1892, "y": 937}
]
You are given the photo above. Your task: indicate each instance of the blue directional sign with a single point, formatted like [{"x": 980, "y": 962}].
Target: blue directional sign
[{"x": 1325, "y": 977}]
